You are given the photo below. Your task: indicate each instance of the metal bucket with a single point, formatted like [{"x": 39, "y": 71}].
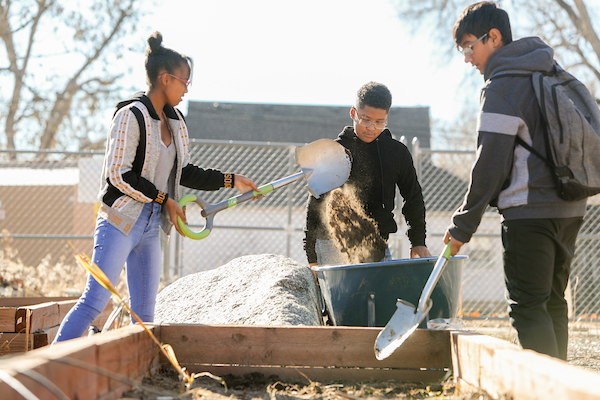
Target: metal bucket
[{"x": 366, "y": 294}]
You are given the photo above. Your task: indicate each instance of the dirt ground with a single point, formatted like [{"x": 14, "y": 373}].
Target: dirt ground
[
  {"x": 584, "y": 352},
  {"x": 165, "y": 385}
]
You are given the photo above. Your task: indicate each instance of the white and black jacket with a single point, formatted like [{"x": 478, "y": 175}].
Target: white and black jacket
[{"x": 131, "y": 161}]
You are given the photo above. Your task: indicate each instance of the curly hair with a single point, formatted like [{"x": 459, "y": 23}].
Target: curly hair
[
  {"x": 375, "y": 95},
  {"x": 160, "y": 58}
]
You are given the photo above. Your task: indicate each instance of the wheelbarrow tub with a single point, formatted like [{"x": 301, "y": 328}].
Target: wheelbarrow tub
[{"x": 366, "y": 294}]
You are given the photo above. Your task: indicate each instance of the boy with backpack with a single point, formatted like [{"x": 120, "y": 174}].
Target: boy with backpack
[{"x": 539, "y": 227}]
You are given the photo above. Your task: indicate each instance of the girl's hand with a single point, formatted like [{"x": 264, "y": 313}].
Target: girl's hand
[
  {"x": 244, "y": 185},
  {"x": 175, "y": 211}
]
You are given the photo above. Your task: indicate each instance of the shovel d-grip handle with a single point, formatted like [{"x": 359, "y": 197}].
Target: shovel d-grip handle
[{"x": 209, "y": 210}]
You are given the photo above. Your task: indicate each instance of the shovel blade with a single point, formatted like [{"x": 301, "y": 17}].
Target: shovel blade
[
  {"x": 403, "y": 323},
  {"x": 329, "y": 165}
]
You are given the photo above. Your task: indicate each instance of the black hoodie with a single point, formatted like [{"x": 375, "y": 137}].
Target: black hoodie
[{"x": 377, "y": 169}]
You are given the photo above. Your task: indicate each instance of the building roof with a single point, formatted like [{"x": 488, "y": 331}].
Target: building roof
[{"x": 292, "y": 123}]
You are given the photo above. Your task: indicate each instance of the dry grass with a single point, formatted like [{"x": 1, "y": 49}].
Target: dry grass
[
  {"x": 258, "y": 386},
  {"x": 47, "y": 279}
]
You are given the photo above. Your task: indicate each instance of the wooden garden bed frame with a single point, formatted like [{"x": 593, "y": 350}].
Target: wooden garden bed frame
[
  {"x": 79, "y": 368},
  {"x": 28, "y": 323}
]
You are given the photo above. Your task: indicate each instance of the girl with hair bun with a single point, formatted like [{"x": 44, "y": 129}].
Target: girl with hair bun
[{"x": 146, "y": 161}]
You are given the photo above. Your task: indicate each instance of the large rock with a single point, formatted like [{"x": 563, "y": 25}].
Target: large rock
[{"x": 264, "y": 289}]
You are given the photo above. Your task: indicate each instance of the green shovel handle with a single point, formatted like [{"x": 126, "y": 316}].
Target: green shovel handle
[
  {"x": 209, "y": 210},
  {"x": 190, "y": 198}
]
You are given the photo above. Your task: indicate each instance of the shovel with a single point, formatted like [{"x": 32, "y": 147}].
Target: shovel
[
  {"x": 406, "y": 318},
  {"x": 325, "y": 166}
]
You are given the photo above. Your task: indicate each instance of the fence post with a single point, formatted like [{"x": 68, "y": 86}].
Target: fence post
[
  {"x": 288, "y": 228},
  {"x": 415, "y": 153}
]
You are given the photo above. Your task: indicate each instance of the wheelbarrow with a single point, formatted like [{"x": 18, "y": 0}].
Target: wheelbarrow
[
  {"x": 325, "y": 165},
  {"x": 366, "y": 294}
]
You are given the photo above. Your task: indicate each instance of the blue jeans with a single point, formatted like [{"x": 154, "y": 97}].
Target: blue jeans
[{"x": 141, "y": 252}]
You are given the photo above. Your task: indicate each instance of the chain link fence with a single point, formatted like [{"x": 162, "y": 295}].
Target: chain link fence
[{"x": 48, "y": 204}]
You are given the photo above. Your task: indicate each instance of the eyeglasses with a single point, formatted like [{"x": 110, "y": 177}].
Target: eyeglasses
[
  {"x": 468, "y": 51},
  {"x": 363, "y": 122},
  {"x": 186, "y": 83}
]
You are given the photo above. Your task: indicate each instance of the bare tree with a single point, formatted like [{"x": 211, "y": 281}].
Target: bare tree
[
  {"x": 65, "y": 61},
  {"x": 569, "y": 26}
]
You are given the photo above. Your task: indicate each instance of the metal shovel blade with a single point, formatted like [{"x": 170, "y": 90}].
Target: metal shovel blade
[
  {"x": 407, "y": 317},
  {"x": 403, "y": 323},
  {"x": 328, "y": 162}
]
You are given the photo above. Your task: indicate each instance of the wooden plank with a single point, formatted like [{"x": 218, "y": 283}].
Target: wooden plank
[
  {"x": 7, "y": 319},
  {"x": 127, "y": 351},
  {"x": 14, "y": 343},
  {"x": 43, "y": 315},
  {"x": 65, "y": 306},
  {"x": 504, "y": 370},
  {"x": 44, "y": 338},
  {"x": 305, "y": 346},
  {"x": 29, "y": 301},
  {"x": 50, "y": 314},
  {"x": 74, "y": 382}
]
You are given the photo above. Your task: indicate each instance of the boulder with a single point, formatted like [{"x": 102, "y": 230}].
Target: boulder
[{"x": 264, "y": 289}]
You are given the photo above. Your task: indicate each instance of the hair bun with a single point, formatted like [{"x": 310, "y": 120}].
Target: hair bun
[{"x": 155, "y": 43}]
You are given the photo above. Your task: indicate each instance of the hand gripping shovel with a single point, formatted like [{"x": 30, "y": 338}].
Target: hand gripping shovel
[
  {"x": 325, "y": 165},
  {"x": 406, "y": 318}
]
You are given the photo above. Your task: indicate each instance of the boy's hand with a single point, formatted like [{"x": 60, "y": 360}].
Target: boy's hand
[
  {"x": 244, "y": 185},
  {"x": 174, "y": 211},
  {"x": 455, "y": 245},
  {"x": 314, "y": 272},
  {"x": 421, "y": 251}
]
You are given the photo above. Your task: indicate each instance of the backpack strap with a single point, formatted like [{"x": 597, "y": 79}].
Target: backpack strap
[
  {"x": 141, "y": 149},
  {"x": 518, "y": 140}
]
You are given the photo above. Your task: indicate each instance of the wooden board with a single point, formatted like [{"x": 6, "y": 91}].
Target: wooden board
[
  {"x": 478, "y": 361},
  {"x": 79, "y": 368},
  {"x": 7, "y": 319},
  {"x": 504, "y": 370},
  {"x": 29, "y": 301},
  {"x": 13, "y": 343},
  {"x": 334, "y": 352},
  {"x": 42, "y": 320},
  {"x": 50, "y": 314},
  {"x": 38, "y": 316}
]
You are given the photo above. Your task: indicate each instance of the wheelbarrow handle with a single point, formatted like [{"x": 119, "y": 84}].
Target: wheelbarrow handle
[{"x": 209, "y": 210}]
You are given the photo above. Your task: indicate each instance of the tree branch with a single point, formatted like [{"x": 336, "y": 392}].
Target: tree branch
[{"x": 65, "y": 98}]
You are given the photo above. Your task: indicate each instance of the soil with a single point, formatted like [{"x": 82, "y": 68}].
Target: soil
[
  {"x": 353, "y": 232},
  {"x": 165, "y": 385}
]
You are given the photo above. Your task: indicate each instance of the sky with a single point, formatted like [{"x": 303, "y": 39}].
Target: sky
[{"x": 314, "y": 52}]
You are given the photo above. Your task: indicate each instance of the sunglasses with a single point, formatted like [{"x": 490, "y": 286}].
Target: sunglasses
[{"x": 185, "y": 82}]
